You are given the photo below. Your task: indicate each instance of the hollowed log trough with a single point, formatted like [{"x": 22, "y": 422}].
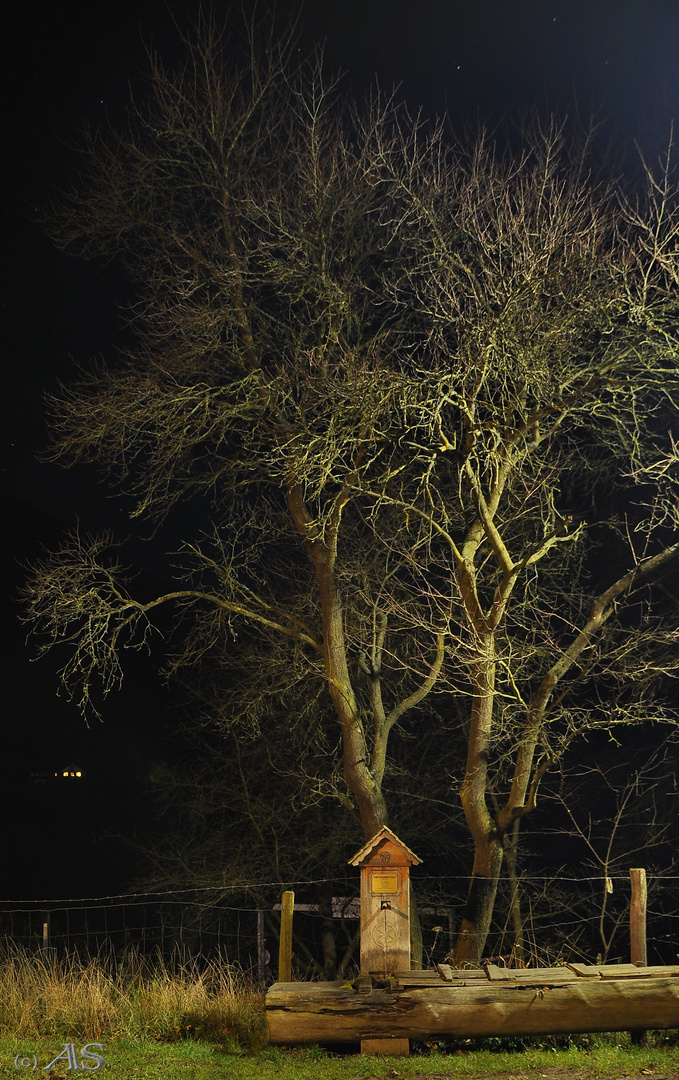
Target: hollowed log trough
[{"x": 481, "y": 1002}]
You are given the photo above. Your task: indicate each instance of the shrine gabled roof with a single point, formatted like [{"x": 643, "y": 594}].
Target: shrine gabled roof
[{"x": 385, "y": 833}]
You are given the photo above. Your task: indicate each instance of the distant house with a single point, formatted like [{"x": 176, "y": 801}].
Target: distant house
[{"x": 69, "y": 772}]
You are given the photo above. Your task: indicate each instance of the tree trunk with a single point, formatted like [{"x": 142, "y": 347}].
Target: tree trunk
[
  {"x": 487, "y": 842},
  {"x": 478, "y": 911},
  {"x": 515, "y": 913},
  {"x": 322, "y": 550}
]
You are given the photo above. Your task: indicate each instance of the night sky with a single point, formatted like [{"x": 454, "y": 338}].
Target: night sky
[{"x": 74, "y": 62}]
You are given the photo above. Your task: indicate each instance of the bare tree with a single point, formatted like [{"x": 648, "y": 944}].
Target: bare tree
[
  {"x": 248, "y": 205},
  {"x": 419, "y": 384},
  {"x": 544, "y": 396},
  {"x": 599, "y": 819}
]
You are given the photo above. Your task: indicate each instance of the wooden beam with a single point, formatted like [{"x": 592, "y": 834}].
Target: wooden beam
[{"x": 317, "y": 1012}]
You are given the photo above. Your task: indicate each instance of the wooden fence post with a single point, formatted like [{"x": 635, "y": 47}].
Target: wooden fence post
[
  {"x": 637, "y": 918},
  {"x": 285, "y": 942},
  {"x": 263, "y": 956},
  {"x": 637, "y": 934}
]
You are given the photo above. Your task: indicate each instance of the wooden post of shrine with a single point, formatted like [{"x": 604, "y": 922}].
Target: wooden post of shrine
[{"x": 385, "y": 863}]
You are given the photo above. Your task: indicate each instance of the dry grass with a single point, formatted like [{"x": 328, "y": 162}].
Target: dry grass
[{"x": 41, "y": 996}]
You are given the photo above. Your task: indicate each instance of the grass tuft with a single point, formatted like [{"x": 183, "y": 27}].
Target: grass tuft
[
  {"x": 164, "y": 1020},
  {"x": 68, "y": 998}
]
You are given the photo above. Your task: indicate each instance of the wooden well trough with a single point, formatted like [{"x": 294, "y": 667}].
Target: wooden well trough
[
  {"x": 389, "y": 1004},
  {"x": 480, "y": 1002}
]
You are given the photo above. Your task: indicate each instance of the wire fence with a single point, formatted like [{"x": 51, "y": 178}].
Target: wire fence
[
  {"x": 572, "y": 918},
  {"x": 172, "y": 927}
]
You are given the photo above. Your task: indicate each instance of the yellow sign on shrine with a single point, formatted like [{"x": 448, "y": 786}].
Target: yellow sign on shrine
[{"x": 383, "y": 882}]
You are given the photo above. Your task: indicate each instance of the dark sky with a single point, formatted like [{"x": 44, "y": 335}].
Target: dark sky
[{"x": 71, "y": 62}]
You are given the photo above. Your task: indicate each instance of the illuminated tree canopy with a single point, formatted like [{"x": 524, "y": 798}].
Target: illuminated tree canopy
[{"x": 427, "y": 389}]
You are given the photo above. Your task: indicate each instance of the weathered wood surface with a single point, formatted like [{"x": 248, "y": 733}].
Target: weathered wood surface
[
  {"x": 637, "y": 917},
  {"x": 529, "y": 976},
  {"x": 285, "y": 938},
  {"x": 385, "y": 863},
  {"x": 541, "y": 1001}
]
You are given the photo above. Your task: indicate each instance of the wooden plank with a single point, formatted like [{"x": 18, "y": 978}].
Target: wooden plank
[
  {"x": 435, "y": 973},
  {"x": 498, "y": 974},
  {"x": 621, "y": 971},
  {"x": 541, "y": 977},
  {"x": 460, "y": 977},
  {"x": 444, "y": 975},
  {"x": 624, "y": 971},
  {"x": 320, "y": 1012},
  {"x": 423, "y": 978},
  {"x": 631, "y": 972},
  {"x": 480, "y": 976}
]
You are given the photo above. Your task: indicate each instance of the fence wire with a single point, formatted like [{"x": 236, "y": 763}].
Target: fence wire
[{"x": 228, "y": 924}]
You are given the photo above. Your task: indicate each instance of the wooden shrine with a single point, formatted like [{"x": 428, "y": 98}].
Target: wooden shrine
[{"x": 385, "y": 863}]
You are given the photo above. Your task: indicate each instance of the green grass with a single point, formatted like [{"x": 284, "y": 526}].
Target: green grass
[
  {"x": 173, "y": 1021},
  {"x": 196, "y": 1060}
]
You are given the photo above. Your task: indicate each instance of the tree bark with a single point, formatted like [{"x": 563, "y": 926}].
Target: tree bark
[
  {"x": 515, "y": 912},
  {"x": 478, "y": 912},
  {"x": 322, "y": 551},
  {"x": 487, "y": 842}
]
